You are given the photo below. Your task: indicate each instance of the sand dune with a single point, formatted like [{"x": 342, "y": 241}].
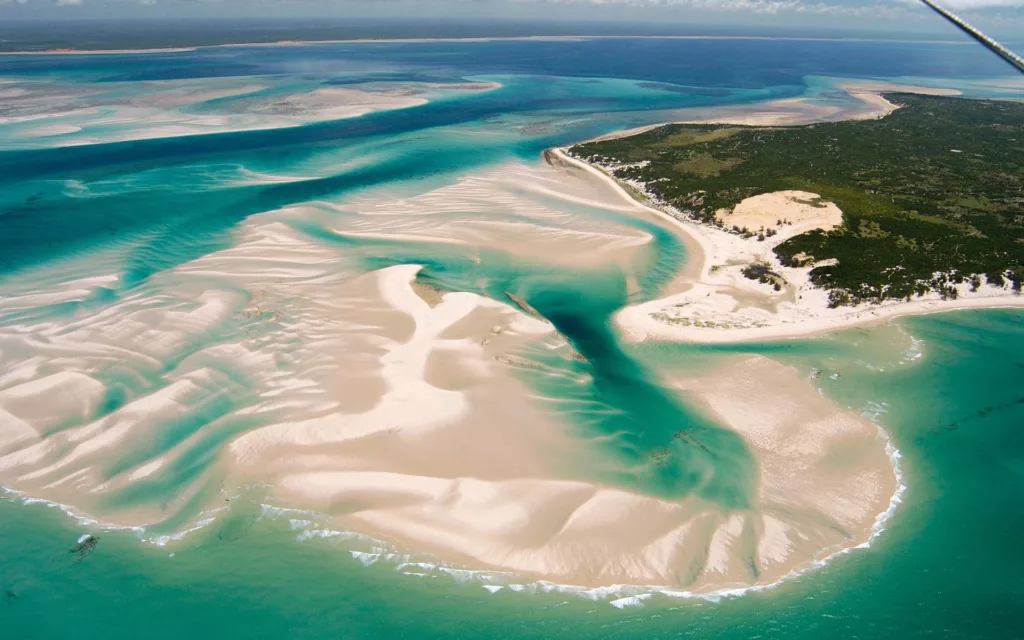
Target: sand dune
[{"x": 792, "y": 211}]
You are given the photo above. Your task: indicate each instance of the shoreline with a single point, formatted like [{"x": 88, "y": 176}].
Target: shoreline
[
  {"x": 714, "y": 253},
  {"x": 545, "y": 38}
]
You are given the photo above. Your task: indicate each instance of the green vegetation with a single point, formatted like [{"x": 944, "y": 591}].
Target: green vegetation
[
  {"x": 932, "y": 194},
  {"x": 762, "y": 272}
]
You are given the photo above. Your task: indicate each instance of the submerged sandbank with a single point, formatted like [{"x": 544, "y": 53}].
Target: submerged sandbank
[{"x": 53, "y": 114}]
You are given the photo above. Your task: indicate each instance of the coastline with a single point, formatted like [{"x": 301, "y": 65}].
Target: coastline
[{"x": 711, "y": 303}]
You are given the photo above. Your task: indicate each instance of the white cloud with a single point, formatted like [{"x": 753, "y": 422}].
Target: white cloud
[
  {"x": 771, "y": 7},
  {"x": 960, "y": 5},
  {"x": 796, "y": 6}
]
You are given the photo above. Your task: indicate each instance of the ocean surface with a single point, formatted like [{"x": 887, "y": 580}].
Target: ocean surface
[{"x": 125, "y": 179}]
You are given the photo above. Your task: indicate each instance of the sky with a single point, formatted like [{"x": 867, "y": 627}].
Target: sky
[{"x": 997, "y": 16}]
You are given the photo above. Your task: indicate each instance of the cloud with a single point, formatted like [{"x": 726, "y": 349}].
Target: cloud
[
  {"x": 959, "y": 5},
  {"x": 893, "y": 10},
  {"x": 884, "y": 9},
  {"x": 770, "y": 7}
]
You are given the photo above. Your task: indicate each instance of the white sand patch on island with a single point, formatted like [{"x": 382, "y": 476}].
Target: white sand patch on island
[{"x": 800, "y": 210}]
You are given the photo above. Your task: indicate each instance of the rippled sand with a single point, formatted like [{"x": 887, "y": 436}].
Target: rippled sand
[{"x": 401, "y": 410}]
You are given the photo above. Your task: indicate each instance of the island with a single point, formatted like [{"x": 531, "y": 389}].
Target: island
[{"x": 831, "y": 220}]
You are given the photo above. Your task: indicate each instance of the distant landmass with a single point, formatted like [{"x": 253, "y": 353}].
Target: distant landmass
[{"x": 98, "y": 35}]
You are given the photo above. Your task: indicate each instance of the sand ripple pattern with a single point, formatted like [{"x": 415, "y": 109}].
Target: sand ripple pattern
[{"x": 404, "y": 412}]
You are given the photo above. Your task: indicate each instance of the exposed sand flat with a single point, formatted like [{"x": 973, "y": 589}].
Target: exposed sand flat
[
  {"x": 514, "y": 210},
  {"x": 57, "y": 373},
  {"x": 70, "y": 396},
  {"x": 810, "y": 452},
  {"x": 712, "y": 302},
  {"x": 330, "y": 103},
  {"x": 404, "y": 416},
  {"x": 823, "y": 479},
  {"x": 92, "y": 52},
  {"x": 276, "y": 325},
  {"x": 178, "y": 93}
]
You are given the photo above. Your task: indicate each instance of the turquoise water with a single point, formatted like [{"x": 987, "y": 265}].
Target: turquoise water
[{"x": 92, "y": 203}]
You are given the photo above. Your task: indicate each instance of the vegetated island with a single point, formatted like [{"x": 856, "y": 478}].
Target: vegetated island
[{"x": 805, "y": 228}]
